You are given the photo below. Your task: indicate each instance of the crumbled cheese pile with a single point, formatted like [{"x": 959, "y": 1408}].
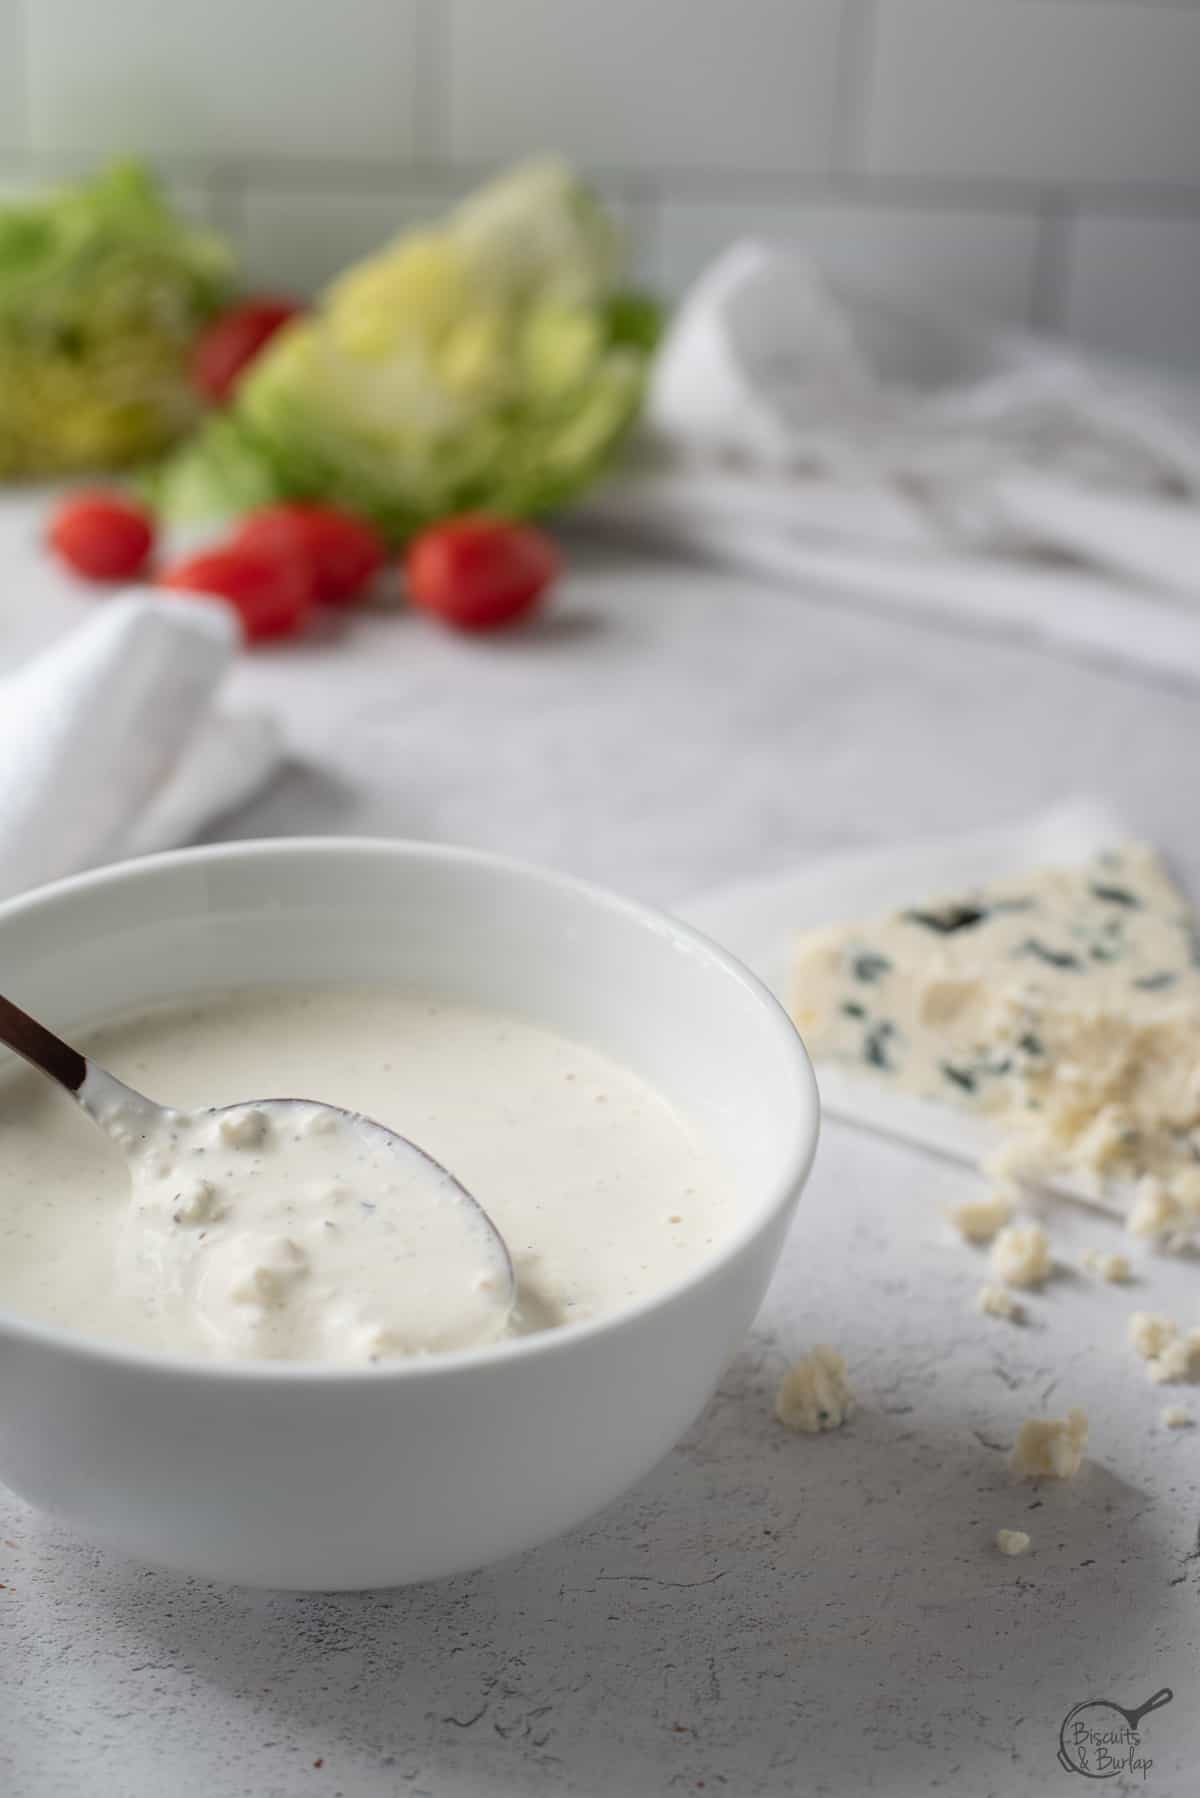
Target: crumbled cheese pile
[
  {"x": 997, "y": 1301},
  {"x": 1065, "y": 1005},
  {"x": 1050, "y": 1447},
  {"x": 1169, "y": 1353},
  {"x": 814, "y": 1395},
  {"x": 1013, "y": 1542}
]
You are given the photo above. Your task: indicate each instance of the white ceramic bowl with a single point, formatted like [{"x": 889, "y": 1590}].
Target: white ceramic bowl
[{"x": 324, "y": 1478}]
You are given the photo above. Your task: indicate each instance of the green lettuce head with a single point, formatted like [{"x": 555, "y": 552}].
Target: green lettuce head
[
  {"x": 486, "y": 362},
  {"x": 102, "y": 290}
]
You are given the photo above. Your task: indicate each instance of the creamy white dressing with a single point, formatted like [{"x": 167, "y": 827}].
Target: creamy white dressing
[
  {"x": 288, "y": 1229},
  {"x": 280, "y": 1232}
]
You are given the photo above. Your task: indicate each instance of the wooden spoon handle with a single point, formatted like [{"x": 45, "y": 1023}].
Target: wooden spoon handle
[{"x": 41, "y": 1047}]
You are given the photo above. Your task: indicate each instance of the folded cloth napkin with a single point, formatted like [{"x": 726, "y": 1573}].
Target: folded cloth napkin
[
  {"x": 109, "y": 743},
  {"x": 842, "y": 441}
]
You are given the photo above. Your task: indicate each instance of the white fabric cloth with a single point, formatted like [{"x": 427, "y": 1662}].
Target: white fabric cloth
[
  {"x": 841, "y": 441},
  {"x": 110, "y": 744}
]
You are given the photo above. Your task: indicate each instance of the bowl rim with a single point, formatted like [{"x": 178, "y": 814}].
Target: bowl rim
[{"x": 797, "y": 1159}]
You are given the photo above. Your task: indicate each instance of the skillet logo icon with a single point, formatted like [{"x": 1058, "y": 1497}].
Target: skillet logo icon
[{"x": 1100, "y": 1739}]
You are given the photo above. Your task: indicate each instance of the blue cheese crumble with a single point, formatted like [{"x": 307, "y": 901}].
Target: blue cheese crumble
[
  {"x": 815, "y": 1395},
  {"x": 1064, "y": 1005},
  {"x": 1013, "y": 1542},
  {"x": 1050, "y": 1447}
]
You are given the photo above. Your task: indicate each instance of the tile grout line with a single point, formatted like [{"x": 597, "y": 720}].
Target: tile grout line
[
  {"x": 227, "y": 188},
  {"x": 976, "y": 194},
  {"x": 641, "y": 195},
  {"x": 1133, "y": 5}
]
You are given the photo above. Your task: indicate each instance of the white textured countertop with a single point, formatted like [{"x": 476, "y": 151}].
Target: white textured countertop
[{"x": 765, "y": 1614}]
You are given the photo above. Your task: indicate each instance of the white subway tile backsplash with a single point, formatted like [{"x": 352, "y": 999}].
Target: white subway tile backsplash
[
  {"x": 1133, "y": 287},
  {"x": 909, "y": 143},
  {"x": 299, "y": 241},
  {"x": 1052, "y": 91},
  {"x": 12, "y": 84},
  {"x": 223, "y": 80},
  {"x": 981, "y": 260},
  {"x": 655, "y": 84},
  {"x": 192, "y": 200}
]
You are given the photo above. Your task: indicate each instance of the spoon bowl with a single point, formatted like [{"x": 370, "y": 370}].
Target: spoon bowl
[{"x": 290, "y": 1228}]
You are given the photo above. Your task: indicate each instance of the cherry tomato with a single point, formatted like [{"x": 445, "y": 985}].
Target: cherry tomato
[
  {"x": 341, "y": 553},
  {"x": 272, "y": 596},
  {"x": 102, "y": 535},
  {"x": 226, "y": 347},
  {"x": 478, "y": 573}
]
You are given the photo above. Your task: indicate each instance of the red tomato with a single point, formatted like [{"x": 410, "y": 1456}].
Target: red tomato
[
  {"x": 232, "y": 341},
  {"x": 479, "y": 574},
  {"x": 341, "y": 553},
  {"x": 102, "y": 535},
  {"x": 272, "y": 596}
]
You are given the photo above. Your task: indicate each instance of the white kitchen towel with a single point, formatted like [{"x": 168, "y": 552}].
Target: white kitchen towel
[
  {"x": 110, "y": 744},
  {"x": 843, "y": 442},
  {"x": 758, "y": 920}
]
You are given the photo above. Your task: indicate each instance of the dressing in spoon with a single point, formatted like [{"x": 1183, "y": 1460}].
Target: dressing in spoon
[{"x": 291, "y": 1229}]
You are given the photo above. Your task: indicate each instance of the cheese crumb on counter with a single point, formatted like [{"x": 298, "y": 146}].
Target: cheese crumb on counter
[
  {"x": 980, "y": 1219},
  {"x": 1013, "y": 1542},
  {"x": 814, "y": 1395},
  {"x": 1149, "y": 1334},
  {"x": 1176, "y": 1417},
  {"x": 1050, "y": 1447},
  {"x": 1115, "y": 1268},
  {"x": 997, "y": 1301},
  {"x": 1153, "y": 1212},
  {"x": 1184, "y": 1188},
  {"x": 1166, "y": 1207},
  {"x": 1169, "y": 1354},
  {"x": 1178, "y": 1361},
  {"x": 1021, "y": 1255}
]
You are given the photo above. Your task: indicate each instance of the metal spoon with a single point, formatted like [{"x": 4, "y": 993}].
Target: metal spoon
[{"x": 261, "y": 1155}]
